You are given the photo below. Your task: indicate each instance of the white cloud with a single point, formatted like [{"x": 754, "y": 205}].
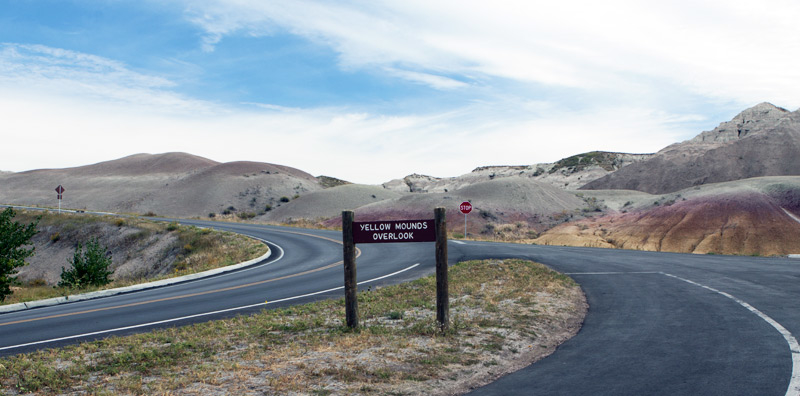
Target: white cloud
[
  {"x": 37, "y": 68},
  {"x": 726, "y": 50}
]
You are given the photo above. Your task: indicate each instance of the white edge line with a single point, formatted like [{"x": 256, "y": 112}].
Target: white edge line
[
  {"x": 143, "y": 286},
  {"x": 200, "y": 314},
  {"x": 794, "y": 347},
  {"x": 611, "y": 273}
]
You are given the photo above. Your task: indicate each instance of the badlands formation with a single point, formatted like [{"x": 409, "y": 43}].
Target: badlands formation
[{"x": 731, "y": 190}]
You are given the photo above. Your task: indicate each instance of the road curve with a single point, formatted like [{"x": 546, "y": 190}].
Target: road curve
[{"x": 658, "y": 323}]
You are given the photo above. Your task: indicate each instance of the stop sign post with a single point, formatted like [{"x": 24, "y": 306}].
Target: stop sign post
[{"x": 465, "y": 208}]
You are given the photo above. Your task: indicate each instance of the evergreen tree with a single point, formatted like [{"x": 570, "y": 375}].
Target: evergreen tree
[
  {"x": 89, "y": 267},
  {"x": 13, "y": 239}
]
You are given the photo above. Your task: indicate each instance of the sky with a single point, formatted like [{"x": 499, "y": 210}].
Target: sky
[{"x": 370, "y": 91}]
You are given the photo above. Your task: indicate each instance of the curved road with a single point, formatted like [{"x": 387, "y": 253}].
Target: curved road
[{"x": 658, "y": 323}]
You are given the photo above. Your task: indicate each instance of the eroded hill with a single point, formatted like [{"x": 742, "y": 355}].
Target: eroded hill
[{"x": 761, "y": 141}]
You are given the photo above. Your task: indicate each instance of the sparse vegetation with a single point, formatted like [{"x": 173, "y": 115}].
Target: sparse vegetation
[
  {"x": 209, "y": 249},
  {"x": 245, "y": 215},
  {"x": 593, "y": 205},
  {"x": 607, "y": 161},
  {"x": 303, "y": 349},
  {"x": 328, "y": 182}
]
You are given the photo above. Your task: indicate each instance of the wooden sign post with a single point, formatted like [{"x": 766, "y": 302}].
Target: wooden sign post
[
  {"x": 442, "y": 285},
  {"x": 391, "y": 232}
]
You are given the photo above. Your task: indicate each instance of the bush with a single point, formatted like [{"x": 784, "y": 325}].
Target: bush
[
  {"x": 246, "y": 215},
  {"x": 13, "y": 236},
  {"x": 89, "y": 268},
  {"x": 284, "y": 199}
]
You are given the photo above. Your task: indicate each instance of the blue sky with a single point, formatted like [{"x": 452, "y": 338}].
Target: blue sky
[{"x": 370, "y": 91}]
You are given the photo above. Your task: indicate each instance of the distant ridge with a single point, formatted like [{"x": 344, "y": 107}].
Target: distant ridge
[
  {"x": 169, "y": 184},
  {"x": 763, "y": 140}
]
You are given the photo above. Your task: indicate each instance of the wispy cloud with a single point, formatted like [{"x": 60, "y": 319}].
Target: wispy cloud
[
  {"x": 741, "y": 51},
  {"x": 38, "y": 68}
]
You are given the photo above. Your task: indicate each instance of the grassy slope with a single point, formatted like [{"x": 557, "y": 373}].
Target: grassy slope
[{"x": 146, "y": 250}]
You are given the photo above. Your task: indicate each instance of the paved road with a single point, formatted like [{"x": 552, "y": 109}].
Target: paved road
[{"x": 658, "y": 323}]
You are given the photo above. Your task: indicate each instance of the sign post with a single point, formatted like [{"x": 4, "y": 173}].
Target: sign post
[
  {"x": 442, "y": 284},
  {"x": 392, "y": 231},
  {"x": 350, "y": 283},
  {"x": 60, "y": 191},
  {"x": 465, "y": 208}
]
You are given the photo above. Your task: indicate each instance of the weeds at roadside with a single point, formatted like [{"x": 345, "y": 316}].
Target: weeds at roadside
[{"x": 306, "y": 347}]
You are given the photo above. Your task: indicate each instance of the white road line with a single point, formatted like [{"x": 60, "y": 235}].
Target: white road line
[
  {"x": 459, "y": 242},
  {"x": 199, "y": 315},
  {"x": 794, "y": 347},
  {"x": 611, "y": 273}
]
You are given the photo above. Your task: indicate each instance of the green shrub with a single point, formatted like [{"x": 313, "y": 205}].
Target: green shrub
[
  {"x": 13, "y": 237},
  {"x": 89, "y": 267},
  {"x": 284, "y": 199}
]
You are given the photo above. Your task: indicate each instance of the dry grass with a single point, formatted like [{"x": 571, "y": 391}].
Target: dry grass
[
  {"x": 194, "y": 249},
  {"x": 505, "y": 314}
]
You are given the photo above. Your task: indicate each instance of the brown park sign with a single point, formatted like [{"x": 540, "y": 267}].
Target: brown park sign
[{"x": 394, "y": 231}]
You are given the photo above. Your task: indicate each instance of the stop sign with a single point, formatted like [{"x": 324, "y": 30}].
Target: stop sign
[{"x": 465, "y": 207}]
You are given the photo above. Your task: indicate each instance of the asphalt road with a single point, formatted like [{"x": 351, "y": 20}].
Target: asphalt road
[{"x": 658, "y": 323}]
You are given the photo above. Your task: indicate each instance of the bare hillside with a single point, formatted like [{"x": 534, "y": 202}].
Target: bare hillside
[
  {"x": 518, "y": 201},
  {"x": 754, "y": 216},
  {"x": 328, "y": 203},
  {"x": 761, "y": 141},
  {"x": 171, "y": 184}
]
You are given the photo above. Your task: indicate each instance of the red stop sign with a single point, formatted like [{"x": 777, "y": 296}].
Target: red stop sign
[{"x": 465, "y": 207}]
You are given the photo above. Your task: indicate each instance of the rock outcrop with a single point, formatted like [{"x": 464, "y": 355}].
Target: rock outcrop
[{"x": 761, "y": 141}]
